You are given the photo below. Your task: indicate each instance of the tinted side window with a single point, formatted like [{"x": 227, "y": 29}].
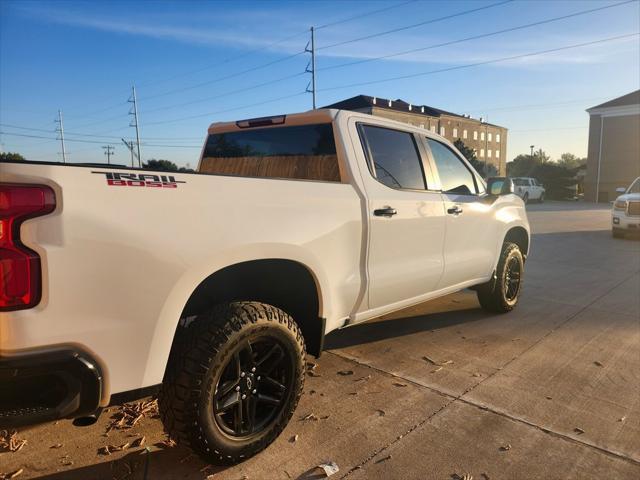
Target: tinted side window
[
  {"x": 395, "y": 157},
  {"x": 455, "y": 177}
]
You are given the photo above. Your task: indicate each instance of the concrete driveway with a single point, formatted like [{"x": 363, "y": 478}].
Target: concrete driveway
[{"x": 442, "y": 390}]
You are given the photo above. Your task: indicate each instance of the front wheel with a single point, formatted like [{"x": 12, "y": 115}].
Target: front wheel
[
  {"x": 233, "y": 381},
  {"x": 500, "y": 295},
  {"x": 541, "y": 199}
]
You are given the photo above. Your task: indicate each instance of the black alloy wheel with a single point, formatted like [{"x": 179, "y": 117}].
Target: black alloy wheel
[{"x": 251, "y": 391}]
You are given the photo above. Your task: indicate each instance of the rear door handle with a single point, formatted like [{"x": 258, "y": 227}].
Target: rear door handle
[
  {"x": 385, "y": 212},
  {"x": 454, "y": 210}
]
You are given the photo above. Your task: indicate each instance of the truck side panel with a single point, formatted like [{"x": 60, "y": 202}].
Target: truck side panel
[{"x": 120, "y": 260}]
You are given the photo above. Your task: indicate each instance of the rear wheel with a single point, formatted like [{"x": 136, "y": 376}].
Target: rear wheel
[
  {"x": 501, "y": 294},
  {"x": 525, "y": 198},
  {"x": 233, "y": 381},
  {"x": 541, "y": 200}
]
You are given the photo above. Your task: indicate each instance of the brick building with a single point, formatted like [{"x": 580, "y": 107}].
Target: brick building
[
  {"x": 614, "y": 147},
  {"x": 488, "y": 140}
]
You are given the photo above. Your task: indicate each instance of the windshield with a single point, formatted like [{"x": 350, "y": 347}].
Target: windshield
[
  {"x": 305, "y": 152},
  {"x": 635, "y": 186}
]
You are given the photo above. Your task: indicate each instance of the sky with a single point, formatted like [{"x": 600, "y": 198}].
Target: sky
[{"x": 197, "y": 62}]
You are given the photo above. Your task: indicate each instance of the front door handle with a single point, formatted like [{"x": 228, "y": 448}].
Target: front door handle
[
  {"x": 454, "y": 210},
  {"x": 385, "y": 211}
]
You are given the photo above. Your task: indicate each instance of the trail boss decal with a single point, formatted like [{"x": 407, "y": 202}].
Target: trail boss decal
[{"x": 115, "y": 179}]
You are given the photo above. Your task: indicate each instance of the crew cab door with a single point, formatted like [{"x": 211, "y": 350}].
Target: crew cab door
[
  {"x": 471, "y": 229},
  {"x": 406, "y": 220}
]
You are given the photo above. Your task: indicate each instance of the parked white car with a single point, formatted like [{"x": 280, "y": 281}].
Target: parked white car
[
  {"x": 625, "y": 215},
  {"x": 211, "y": 287},
  {"x": 529, "y": 189}
]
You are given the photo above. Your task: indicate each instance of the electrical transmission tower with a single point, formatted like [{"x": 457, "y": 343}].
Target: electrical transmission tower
[
  {"x": 60, "y": 132},
  {"x": 130, "y": 146},
  {"x": 312, "y": 70},
  {"x": 134, "y": 121},
  {"x": 108, "y": 151}
]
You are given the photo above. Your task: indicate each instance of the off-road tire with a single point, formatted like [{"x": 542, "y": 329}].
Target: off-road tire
[
  {"x": 541, "y": 199},
  {"x": 491, "y": 295},
  {"x": 525, "y": 198},
  {"x": 198, "y": 358}
]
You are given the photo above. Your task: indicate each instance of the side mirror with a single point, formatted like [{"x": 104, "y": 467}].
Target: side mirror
[
  {"x": 499, "y": 186},
  {"x": 621, "y": 190}
]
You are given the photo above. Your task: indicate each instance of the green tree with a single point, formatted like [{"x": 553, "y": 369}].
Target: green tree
[
  {"x": 483, "y": 168},
  {"x": 162, "y": 165},
  {"x": 571, "y": 161},
  {"x": 11, "y": 156}
]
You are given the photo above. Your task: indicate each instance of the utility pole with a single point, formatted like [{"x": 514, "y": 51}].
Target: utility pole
[
  {"x": 130, "y": 145},
  {"x": 60, "y": 130},
  {"x": 108, "y": 151},
  {"x": 312, "y": 70},
  {"x": 532, "y": 150},
  {"x": 134, "y": 122}
]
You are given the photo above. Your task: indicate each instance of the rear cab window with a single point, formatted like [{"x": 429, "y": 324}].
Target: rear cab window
[{"x": 299, "y": 152}]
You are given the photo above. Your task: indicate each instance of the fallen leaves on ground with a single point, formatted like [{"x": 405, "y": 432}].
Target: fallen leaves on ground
[
  {"x": 309, "y": 417},
  {"x": 9, "y": 441},
  {"x": 398, "y": 384},
  {"x": 329, "y": 468},
  {"x": 598, "y": 364},
  {"x": 464, "y": 476},
  {"x": 437, "y": 364},
  {"x": 138, "y": 442},
  {"x": 345, "y": 373},
  {"x": 578, "y": 430},
  {"x": 11, "y": 475},
  {"x": 129, "y": 414},
  {"x": 505, "y": 448},
  {"x": 294, "y": 439},
  {"x": 109, "y": 449},
  {"x": 383, "y": 459}
]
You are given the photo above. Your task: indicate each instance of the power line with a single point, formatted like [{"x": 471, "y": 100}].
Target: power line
[
  {"x": 225, "y": 61},
  {"x": 227, "y": 77},
  {"x": 134, "y": 122},
  {"x": 362, "y": 15},
  {"x": 414, "y": 25},
  {"x": 232, "y": 92},
  {"x": 487, "y": 62},
  {"x": 20, "y": 127},
  {"x": 227, "y": 110},
  {"x": 108, "y": 151},
  {"x": 96, "y": 141},
  {"x": 477, "y": 37}
]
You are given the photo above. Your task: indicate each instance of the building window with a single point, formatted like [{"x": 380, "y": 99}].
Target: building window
[
  {"x": 464, "y": 134},
  {"x": 482, "y": 153},
  {"x": 488, "y": 153},
  {"x": 481, "y": 135},
  {"x": 422, "y": 125},
  {"x": 433, "y": 128},
  {"x": 489, "y": 137},
  {"x": 442, "y": 131},
  {"x": 475, "y": 135},
  {"x": 498, "y": 137},
  {"x": 455, "y": 132},
  {"x": 497, "y": 153}
]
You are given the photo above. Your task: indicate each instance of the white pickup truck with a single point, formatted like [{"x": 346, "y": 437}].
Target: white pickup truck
[
  {"x": 529, "y": 189},
  {"x": 213, "y": 286}
]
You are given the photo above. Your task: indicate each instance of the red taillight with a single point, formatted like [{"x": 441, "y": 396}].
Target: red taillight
[{"x": 20, "y": 272}]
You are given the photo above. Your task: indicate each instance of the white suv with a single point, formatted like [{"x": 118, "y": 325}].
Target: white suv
[{"x": 626, "y": 210}]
